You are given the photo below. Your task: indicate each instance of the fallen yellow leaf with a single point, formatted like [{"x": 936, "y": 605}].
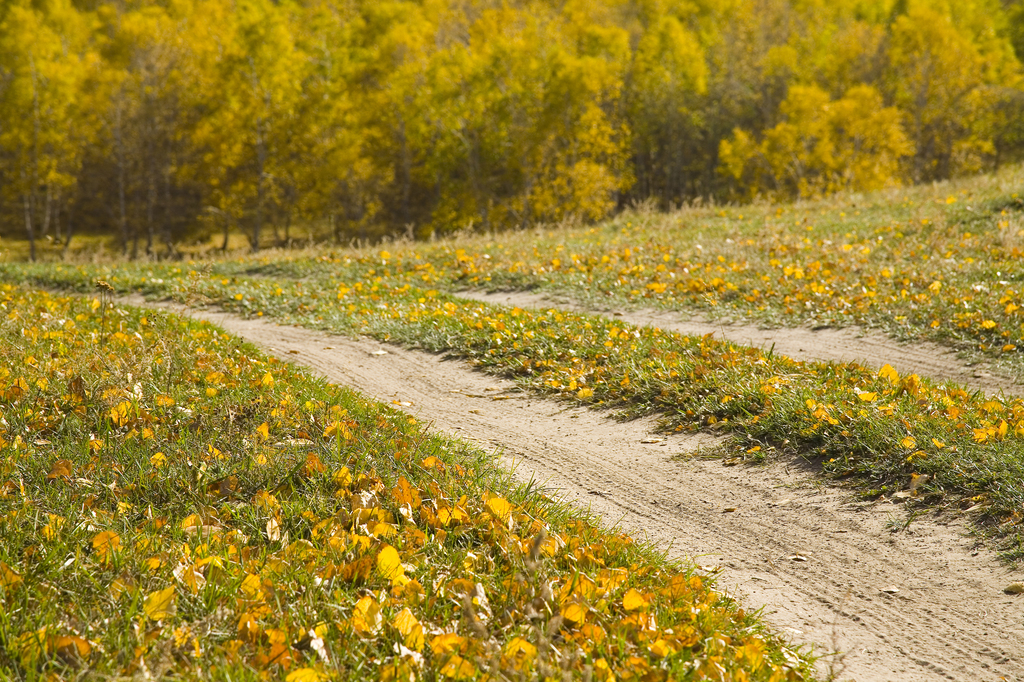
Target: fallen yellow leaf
[
  {"x": 159, "y": 604},
  {"x": 105, "y": 544},
  {"x": 575, "y": 613},
  {"x": 389, "y": 563},
  {"x": 500, "y": 507},
  {"x": 305, "y": 675},
  {"x": 366, "y": 616},
  {"x": 633, "y": 601}
]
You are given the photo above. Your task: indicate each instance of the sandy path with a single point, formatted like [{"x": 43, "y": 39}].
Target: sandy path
[
  {"x": 819, "y": 562},
  {"x": 872, "y": 349}
]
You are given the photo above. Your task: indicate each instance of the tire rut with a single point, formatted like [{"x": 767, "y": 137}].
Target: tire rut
[
  {"x": 872, "y": 349},
  {"x": 822, "y": 564}
]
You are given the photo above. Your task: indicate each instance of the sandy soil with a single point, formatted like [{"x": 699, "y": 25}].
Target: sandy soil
[
  {"x": 923, "y": 604},
  {"x": 872, "y": 349}
]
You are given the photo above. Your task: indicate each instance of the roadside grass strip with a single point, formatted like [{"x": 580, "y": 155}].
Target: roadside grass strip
[
  {"x": 933, "y": 445},
  {"x": 941, "y": 263},
  {"x": 174, "y": 503}
]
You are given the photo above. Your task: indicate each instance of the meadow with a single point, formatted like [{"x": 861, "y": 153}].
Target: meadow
[
  {"x": 176, "y": 503},
  {"x": 934, "y": 262},
  {"x": 316, "y": 520}
]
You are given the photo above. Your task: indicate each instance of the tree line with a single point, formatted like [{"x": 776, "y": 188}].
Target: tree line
[{"x": 155, "y": 120}]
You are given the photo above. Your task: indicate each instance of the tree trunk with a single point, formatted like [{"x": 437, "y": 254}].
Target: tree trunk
[
  {"x": 168, "y": 236},
  {"x": 261, "y": 159},
  {"x": 30, "y": 228},
  {"x": 71, "y": 229},
  {"x": 46, "y": 212},
  {"x": 123, "y": 213},
  {"x": 406, "y": 171},
  {"x": 57, "y": 237},
  {"x": 150, "y": 206}
]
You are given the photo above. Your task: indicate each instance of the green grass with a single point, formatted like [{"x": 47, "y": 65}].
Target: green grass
[
  {"x": 175, "y": 502},
  {"x": 921, "y": 263}
]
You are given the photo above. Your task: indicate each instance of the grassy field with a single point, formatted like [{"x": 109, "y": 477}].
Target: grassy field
[
  {"x": 174, "y": 502},
  {"x": 922, "y": 264}
]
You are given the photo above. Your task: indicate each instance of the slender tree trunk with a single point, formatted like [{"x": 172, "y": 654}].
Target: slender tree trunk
[
  {"x": 58, "y": 238},
  {"x": 168, "y": 236},
  {"x": 46, "y": 212},
  {"x": 150, "y": 207},
  {"x": 227, "y": 229},
  {"x": 30, "y": 228},
  {"x": 261, "y": 160},
  {"x": 123, "y": 213},
  {"x": 71, "y": 229},
  {"x": 406, "y": 171}
]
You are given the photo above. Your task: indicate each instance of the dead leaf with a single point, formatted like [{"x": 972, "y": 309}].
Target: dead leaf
[
  {"x": 160, "y": 604},
  {"x": 1014, "y": 588},
  {"x": 76, "y": 387},
  {"x": 72, "y": 648},
  {"x": 273, "y": 530},
  {"x": 305, "y": 675},
  {"x": 389, "y": 563},
  {"x": 633, "y": 600},
  {"x": 105, "y": 544},
  {"x": 8, "y": 577},
  {"x": 891, "y": 589},
  {"x": 62, "y": 468},
  {"x": 366, "y": 617},
  {"x": 798, "y": 557}
]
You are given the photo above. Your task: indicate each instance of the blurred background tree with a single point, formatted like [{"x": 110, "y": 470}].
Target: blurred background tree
[{"x": 156, "y": 122}]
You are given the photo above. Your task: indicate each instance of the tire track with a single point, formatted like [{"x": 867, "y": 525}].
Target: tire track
[
  {"x": 822, "y": 564},
  {"x": 872, "y": 349}
]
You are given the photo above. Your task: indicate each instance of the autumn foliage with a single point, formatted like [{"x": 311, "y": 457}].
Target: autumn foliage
[{"x": 153, "y": 121}]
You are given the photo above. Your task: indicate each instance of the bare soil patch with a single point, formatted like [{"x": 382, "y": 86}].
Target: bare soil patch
[
  {"x": 922, "y": 604},
  {"x": 871, "y": 349}
]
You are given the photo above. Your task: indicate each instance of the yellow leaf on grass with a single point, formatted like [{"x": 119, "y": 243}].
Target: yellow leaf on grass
[
  {"x": 251, "y": 587},
  {"x": 263, "y": 431},
  {"x": 442, "y": 644},
  {"x": 342, "y": 477},
  {"x": 120, "y": 414},
  {"x": 633, "y": 601},
  {"x": 575, "y": 612},
  {"x": 268, "y": 380},
  {"x": 867, "y": 396},
  {"x": 305, "y": 675},
  {"x": 105, "y": 544},
  {"x": 62, "y": 468},
  {"x": 389, "y": 563},
  {"x": 661, "y": 648},
  {"x": 518, "y": 645},
  {"x": 410, "y": 628},
  {"x": 159, "y": 604},
  {"x": 890, "y": 373},
  {"x": 458, "y": 668},
  {"x": 8, "y": 577},
  {"x": 500, "y": 507},
  {"x": 366, "y": 616},
  {"x": 71, "y": 647}
]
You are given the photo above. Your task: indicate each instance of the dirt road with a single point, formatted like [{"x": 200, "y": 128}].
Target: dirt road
[
  {"x": 922, "y": 604},
  {"x": 872, "y": 349}
]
